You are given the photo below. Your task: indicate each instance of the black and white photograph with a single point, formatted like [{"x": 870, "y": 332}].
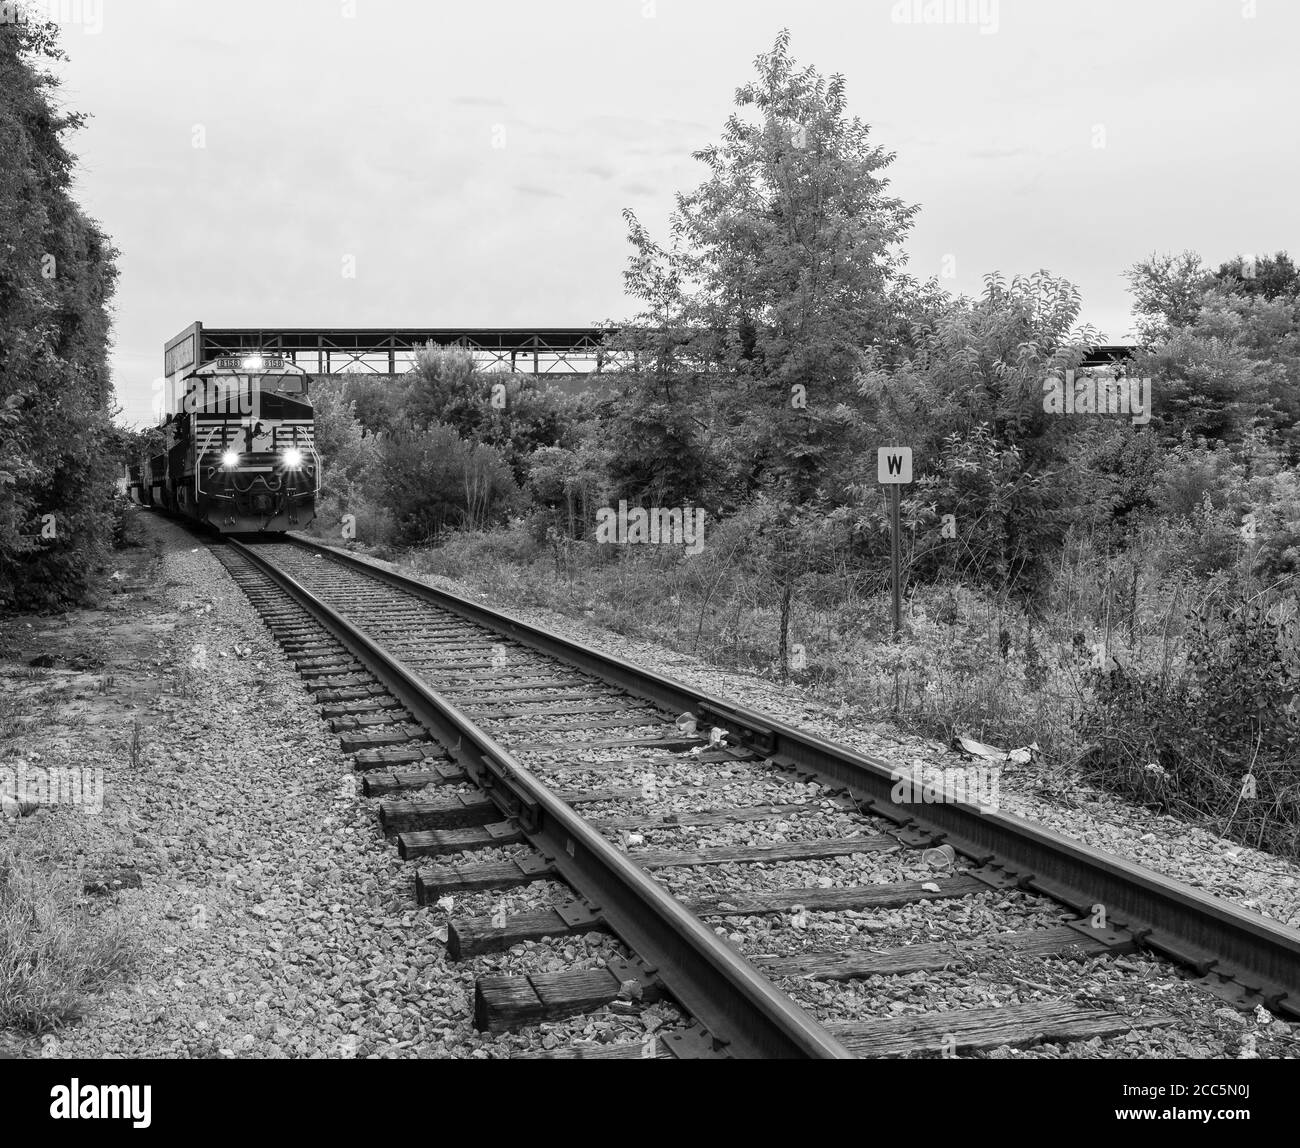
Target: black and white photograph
[{"x": 645, "y": 530}]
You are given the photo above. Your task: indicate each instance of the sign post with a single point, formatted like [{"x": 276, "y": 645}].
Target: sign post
[{"x": 894, "y": 469}]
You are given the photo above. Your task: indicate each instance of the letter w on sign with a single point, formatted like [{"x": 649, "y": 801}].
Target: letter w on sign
[{"x": 894, "y": 464}]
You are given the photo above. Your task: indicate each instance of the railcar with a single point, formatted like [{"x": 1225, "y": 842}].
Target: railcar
[{"x": 239, "y": 451}]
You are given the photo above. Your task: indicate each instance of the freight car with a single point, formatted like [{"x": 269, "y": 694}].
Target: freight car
[{"x": 239, "y": 452}]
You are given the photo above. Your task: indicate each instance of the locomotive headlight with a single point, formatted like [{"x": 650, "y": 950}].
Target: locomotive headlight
[
  {"x": 292, "y": 457},
  {"x": 252, "y": 363},
  {"x": 230, "y": 459}
]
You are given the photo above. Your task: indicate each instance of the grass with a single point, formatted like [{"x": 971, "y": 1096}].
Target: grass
[{"x": 53, "y": 954}]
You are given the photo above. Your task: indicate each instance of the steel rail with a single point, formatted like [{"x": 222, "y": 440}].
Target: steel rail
[
  {"x": 1261, "y": 956},
  {"x": 739, "y": 1007}
]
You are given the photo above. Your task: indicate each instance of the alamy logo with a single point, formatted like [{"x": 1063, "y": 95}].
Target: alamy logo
[
  {"x": 58, "y": 785},
  {"x": 1098, "y": 395},
  {"x": 972, "y": 785},
  {"x": 89, "y": 14},
  {"x": 681, "y": 527},
  {"x": 981, "y": 12},
  {"x": 102, "y": 1102},
  {"x": 220, "y": 396}
]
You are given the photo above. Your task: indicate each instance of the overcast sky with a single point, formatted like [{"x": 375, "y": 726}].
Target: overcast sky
[{"x": 1076, "y": 136}]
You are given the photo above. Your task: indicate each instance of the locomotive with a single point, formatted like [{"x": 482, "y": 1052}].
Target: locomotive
[{"x": 238, "y": 453}]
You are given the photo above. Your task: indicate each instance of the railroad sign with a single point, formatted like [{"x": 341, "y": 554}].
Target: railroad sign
[
  {"x": 894, "y": 464},
  {"x": 894, "y": 469}
]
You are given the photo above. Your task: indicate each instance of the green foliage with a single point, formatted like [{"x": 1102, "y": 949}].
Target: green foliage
[
  {"x": 502, "y": 409},
  {"x": 1270, "y": 277},
  {"x": 566, "y": 488},
  {"x": 53, "y": 954},
  {"x": 1167, "y": 292},
  {"x": 351, "y": 457},
  {"x": 434, "y": 479},
  {"x": 656, "y": 455},
  {"x": 58, "y": 452},
  {"x": 1008, "y": 519},
  {"x": 1221, "y": 739}
]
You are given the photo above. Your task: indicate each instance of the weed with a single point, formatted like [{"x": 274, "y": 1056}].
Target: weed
[
  {"x": 135, "y": 744},
  {"x": 52, "y": 955}
]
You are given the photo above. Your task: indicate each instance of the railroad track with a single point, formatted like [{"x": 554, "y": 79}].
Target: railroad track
[{"x": 554, "y": 792}]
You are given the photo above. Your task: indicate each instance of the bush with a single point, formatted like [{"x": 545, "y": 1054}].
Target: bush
[
  {"x": 1218, "y": 738},
  {"x": 434, "y": 479}
]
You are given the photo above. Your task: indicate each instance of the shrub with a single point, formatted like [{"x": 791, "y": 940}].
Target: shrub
[
  {"x": 434, "y": 479},
  {"x": 1217, "y": 738},
  {"x": 52, "y": 954}
]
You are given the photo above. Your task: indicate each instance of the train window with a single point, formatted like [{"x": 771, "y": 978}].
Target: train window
[{"x": 287, "y": 384}]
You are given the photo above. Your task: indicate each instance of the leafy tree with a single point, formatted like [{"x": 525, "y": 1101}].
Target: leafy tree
[
  {"x": 379, "y": 404},
  {"x": 1007, "y": 519},
  {"x": 59, "y": 456},
  {"x": 1203, "y": 386},
  {"x": 351, "y": 457},
  {"x": 1271, "y": 277},
  {"x": 777, "y": 278},
  {"x": 503, "y": 409},
  {"x": 983, "y": 361},
  {"x": 655, "y": 452},
  {"x": 1167, "y": 292},
  {"x": 567, "y": 486}
]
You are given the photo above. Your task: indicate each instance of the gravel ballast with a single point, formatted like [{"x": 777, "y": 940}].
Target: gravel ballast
[
  {"x": 276, "y": 920},
  {"x": 273, "y": 918}
]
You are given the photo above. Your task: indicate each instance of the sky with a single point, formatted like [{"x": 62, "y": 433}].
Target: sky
[{"x": 468, "y": 163}]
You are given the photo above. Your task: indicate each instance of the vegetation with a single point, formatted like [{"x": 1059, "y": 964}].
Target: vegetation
[
  {"x": 1118, "y": 588},
  {"x": 59, "y": 453},
  {"x": 52, "y": 955}
]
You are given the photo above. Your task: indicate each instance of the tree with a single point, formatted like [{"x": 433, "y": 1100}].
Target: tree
[
  {"x": 502, "y": 409},
  {"x": 59, "y": 456},
  {"x": 966, "y": 393},
  {"x": 777, "y": 279},
  {"x": 1268, "y": 277},
  {"x": 1167, "y": 292}
]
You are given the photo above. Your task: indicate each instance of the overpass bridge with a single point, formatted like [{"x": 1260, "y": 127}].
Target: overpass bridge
[
  {"x": 391, "y": 350},
  {"x": 560, "y": 352}
]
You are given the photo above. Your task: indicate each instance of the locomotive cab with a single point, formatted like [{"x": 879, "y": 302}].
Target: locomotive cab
[{"x": 244, "y": 450}]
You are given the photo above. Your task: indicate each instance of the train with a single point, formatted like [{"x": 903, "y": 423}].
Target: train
[{"x": 238, "y": 453}]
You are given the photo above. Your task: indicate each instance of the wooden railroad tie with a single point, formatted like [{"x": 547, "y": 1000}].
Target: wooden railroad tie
[
  {"x": 951, "y": 1033},
  {"x": 371, "y": 738},
  {"x": 413, "y": 753},
  {"x": 505, "y": 1003},
  {"x": 1063, "y": 941},
  {"x": 433, "y": 842},
  {"x": 438, "y": 881},
  {"x": 472, "y": 936},
  {"x": 426, "y": 812},
  {"x": 377, "y": 783},
  {"x": 978, "y": 1030},
  {"x": 360, "y": 706}
]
